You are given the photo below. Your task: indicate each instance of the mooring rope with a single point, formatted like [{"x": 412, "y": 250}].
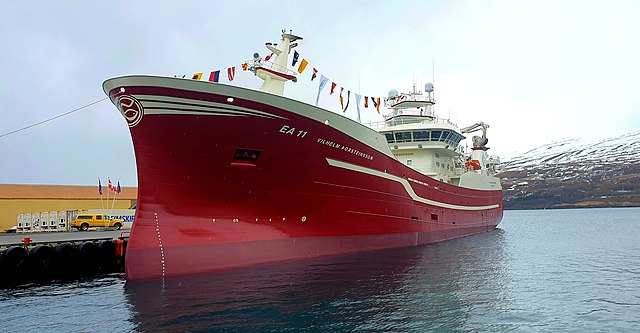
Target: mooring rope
[{"x": 53, "y": 118}]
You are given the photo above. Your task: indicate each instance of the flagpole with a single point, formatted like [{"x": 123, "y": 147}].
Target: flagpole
[
  {"x": 108, "y": 189},
  {"x": 114, "y": 196},
  {"x": 114, "y": 201},
  {"x": 100, "y": 190}
]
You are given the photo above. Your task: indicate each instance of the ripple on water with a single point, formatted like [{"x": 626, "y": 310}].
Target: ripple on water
[{"x": 542, "y": 271}]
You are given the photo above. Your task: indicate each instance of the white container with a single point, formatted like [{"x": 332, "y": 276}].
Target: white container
[
  {"x": 35, "y": 222},
  {"x": 62, "y": 221},
  {"x": 53, "y": 220},
  {"x": 19, "y": 226},
  {"x": 44, "y": 221},
  {"x": 26, "y": 222}
]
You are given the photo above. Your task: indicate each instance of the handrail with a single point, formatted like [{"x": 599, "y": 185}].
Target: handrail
[
  {"x": 253, "y": 65},
  {"x": 409, "y": 98},
  {"x": 410, "y": 112},
  {"x": 378, "y": 125}
]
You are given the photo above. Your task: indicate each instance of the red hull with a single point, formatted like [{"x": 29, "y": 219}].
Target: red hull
[{"x": 229, "y": 177}]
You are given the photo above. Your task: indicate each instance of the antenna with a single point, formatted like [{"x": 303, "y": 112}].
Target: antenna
[
  {"x": 433, "y": 73},
  {"x": 413, "y": 80}
]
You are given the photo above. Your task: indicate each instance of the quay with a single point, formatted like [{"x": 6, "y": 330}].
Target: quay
[
  {"x": 60, "y": 237},
  {"x": 38, "y": 257}
]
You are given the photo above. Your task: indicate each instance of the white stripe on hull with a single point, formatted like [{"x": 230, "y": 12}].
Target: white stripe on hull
[
  {"x": 191, "y": 107},
  {"x": 407, "y": 186}
]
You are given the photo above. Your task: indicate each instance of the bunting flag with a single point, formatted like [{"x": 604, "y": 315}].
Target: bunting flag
[
  {"x": 323, "y": 82},
  {"x": 303, "y": 65},
  {"x": 348, "y": 99},
  {"x": 99, "y": 186},
  {"x": 231, "y": 72},
  {"x": 118, "y": 189},
  {"x": 214, "y": 76},
  {"x": 295, "y": 58},
  {"x": 358, "y": 97}
]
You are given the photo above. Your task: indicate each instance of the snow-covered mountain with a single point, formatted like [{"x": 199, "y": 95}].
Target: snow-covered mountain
[{"x": 577, "y": 172}]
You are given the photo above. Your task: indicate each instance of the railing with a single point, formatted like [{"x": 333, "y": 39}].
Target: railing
[
  {"x": 378, "y": 125},
  {"x": 410, "y": 112},
  {"x": 410, "y": 98},
  {"x": 254, "y": 65},
  {"x": 493, "y": 159}
]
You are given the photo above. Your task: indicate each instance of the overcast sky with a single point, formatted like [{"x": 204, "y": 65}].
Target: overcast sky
[{"x": 536, "y": 71}]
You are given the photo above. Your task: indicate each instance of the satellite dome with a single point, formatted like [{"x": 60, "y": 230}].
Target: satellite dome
[
  {"x": 428, "y": 87},
  {"x": 393, "y": 93},
  {"x": 256, "y": 56}
]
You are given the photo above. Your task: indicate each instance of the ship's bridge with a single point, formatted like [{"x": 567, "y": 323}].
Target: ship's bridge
[
  {"x": 424, "y": 142},
  {"x": 436, "y": 137},
  {"x": 421, "y": 140}
]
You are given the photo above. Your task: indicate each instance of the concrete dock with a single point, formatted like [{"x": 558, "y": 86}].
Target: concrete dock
[{"x": 60, "y": 237}]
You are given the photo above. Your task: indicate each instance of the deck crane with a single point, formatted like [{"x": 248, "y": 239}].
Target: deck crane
[
  {"x": 478, "y": 142},
  {"x": 479, "y": 159}
]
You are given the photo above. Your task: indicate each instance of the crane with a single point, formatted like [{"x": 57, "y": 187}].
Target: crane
[{"x": 478, "y": 142}]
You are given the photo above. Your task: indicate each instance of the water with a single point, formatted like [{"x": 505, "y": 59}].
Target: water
[{"x": 541, "y": 271}]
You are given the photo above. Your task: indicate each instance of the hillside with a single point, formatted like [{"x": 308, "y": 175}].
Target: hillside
[{"x": 577, "y": 172}]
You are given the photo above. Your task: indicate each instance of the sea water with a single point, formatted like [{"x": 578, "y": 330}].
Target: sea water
[{"x": 572, "y": 270}]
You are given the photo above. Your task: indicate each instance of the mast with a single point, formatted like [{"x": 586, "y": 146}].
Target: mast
[{"x": 277, "y": 74}]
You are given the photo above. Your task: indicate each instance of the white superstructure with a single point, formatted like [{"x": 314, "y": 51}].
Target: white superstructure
[{"x": 431, "y": 145}]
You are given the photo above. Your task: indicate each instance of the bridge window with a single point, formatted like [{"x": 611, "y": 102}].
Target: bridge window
[
  {"x": 435, "y": 135},
  {"x": 421, "y": 136},
  {"x": 456, "y": 140},
  {"x": 389, "y": 137},
  {"x": 403, "y": 136}
]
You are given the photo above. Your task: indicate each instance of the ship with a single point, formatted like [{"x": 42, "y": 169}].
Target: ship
[{"x": 232, "y": 177}]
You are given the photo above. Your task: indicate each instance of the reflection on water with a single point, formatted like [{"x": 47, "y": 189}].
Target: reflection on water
[
  {"x": 542, "y": 271},
  {"x": 85, "y": 305},
  {"x": 425, "y": 288}
]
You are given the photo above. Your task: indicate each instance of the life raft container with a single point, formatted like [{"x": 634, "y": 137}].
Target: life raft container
[{"x": 473, "y": 164}]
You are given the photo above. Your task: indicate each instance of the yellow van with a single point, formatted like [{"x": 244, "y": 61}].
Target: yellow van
[{"x": 85, "y": 221}]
